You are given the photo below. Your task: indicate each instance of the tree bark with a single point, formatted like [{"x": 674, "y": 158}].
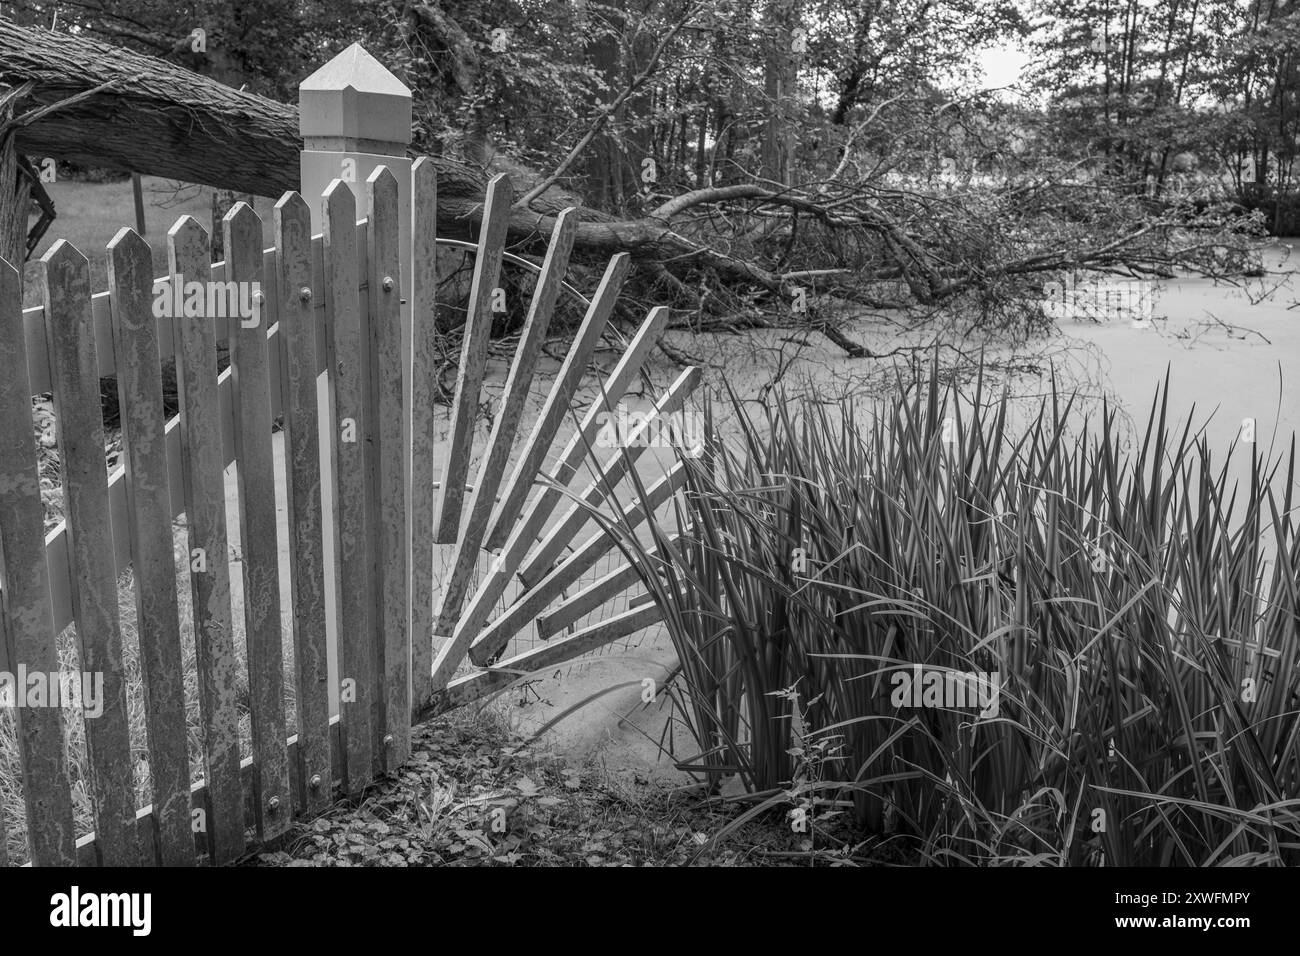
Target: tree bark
[
  {"x": 15, "y": 190},
  {"x": 13, "y": 211},
  {"x": 780, "y": 79},
  {"x": 603, "y": 166},
  {"x": 141, "y": 113}
]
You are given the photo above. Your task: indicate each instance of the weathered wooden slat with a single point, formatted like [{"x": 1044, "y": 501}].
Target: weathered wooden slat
[
  {"x": 473, "y": 357},
  {"x": 567, "y": 529},
  {"x": 325, "y": 428},
  {"x": 524, "y": 528},
  {"x": 203, "y": 462},
  {"x": 297, "y": 320},
  {"x": 370, "y": 445},
  {"x": 139, "y": 388},
  {"x": 347, "y": 359},
  {"x": 29, "y": 635},
  {"x": 258, "y": 545},
  {"x": 94, "y": 600},
  {"x": 533, "y": 601},
  {"x": 558, "y": 402},
  {"x": 506, "y": 423},
  {"x": 588, "y": 599},
  {"x": 390, "y": 493},
  {"x": 530, "y": 461},
  {"x": 424, "y": 357},
  {"x": 472, "y": 687}
]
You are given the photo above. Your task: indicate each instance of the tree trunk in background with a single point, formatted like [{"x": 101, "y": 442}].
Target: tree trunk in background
[
  {"x": 637, "y": 141},
  {"x": 737, "y": 106},
  {"x": 602, "y": 173},
  {"x": 432, "y": 27},
  {"x": 612, "y": 170},
  {"x": 780, "y": 81},
  {"x": 223, "y": 200}
]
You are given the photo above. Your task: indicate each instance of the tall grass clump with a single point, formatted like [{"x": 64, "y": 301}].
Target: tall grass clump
[{"x": 1136, "y": 610}]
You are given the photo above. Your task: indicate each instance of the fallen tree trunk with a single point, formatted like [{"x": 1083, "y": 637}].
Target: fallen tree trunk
[
  {"x": 13, "y": 186},
  {"x": 876, "y": 246},
  {"x": 100, "y": 105}
]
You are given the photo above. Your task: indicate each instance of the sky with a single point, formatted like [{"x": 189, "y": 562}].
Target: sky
[{"x": 1002, "y": 64}]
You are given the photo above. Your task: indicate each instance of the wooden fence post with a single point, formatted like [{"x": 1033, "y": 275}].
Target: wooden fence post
[{"x": 355, "y": 116}]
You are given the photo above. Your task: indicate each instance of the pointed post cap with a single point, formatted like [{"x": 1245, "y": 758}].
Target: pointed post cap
[{"x": 353, "y": 103}]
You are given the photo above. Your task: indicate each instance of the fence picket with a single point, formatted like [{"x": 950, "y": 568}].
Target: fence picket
[
  {"x": 28, "y": 622},
  {"x": 260, "y": 555},
  {"x": 139, "y": 386},
  {"x": 203, "y": 464},
  {"x": 356, "y": 599},
  {"x": 473, "y": 357},
  {"x": 99, "y": 633},
  {"x": 390, "y": 493},
  {"x": 302, "y": 454},
  {"x": 424, "y": 355}
]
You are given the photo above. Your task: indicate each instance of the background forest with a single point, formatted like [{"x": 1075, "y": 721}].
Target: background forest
[{"x": 780, "y": 160}]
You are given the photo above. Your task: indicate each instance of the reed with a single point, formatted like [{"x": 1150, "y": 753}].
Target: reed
[{"x": 1136, "y": 608}]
